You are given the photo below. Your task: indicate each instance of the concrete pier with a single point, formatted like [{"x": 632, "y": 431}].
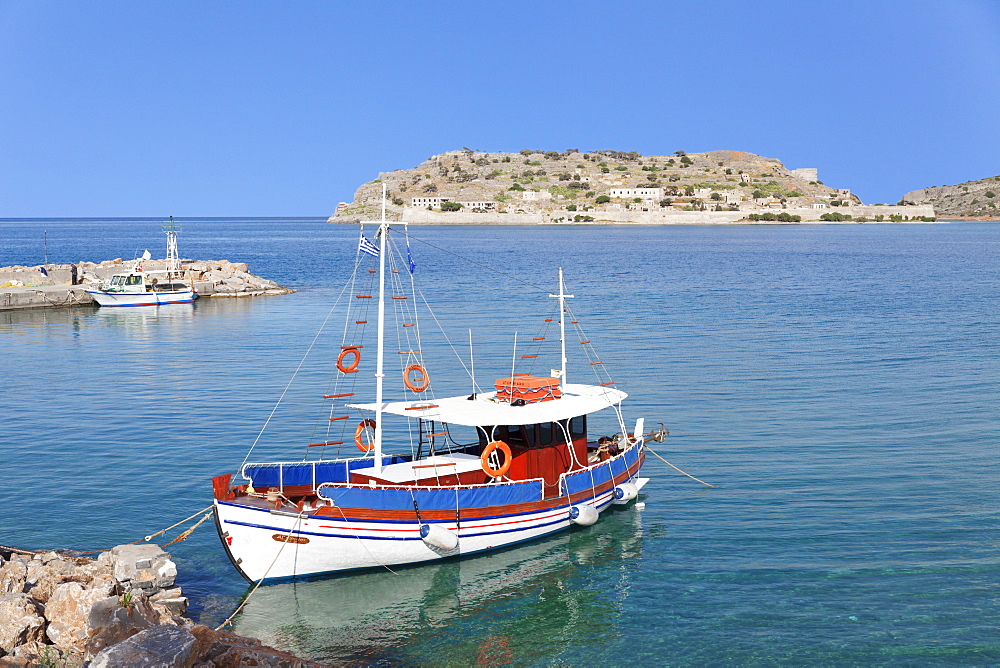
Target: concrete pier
[{"x": 66, "y": 284}]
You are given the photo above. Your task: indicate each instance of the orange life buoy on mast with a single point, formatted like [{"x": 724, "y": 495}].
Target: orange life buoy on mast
[
  {"x": 359, "y": 433},
  {"x": 490, "y": 464},
  {"x": 418, "y": 384},
  {"x": 353, "y": 366}
]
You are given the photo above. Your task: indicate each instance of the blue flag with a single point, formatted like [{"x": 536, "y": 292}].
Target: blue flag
[
  {"x": 409, "y": 260},
  {"x": 368, "y": 247}
]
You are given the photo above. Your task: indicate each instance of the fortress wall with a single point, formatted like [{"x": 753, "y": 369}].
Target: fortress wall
[{"x": 419, "y": 216}]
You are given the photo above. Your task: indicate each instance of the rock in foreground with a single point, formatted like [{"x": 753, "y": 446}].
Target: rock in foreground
[{"x": 121, "y": 609}]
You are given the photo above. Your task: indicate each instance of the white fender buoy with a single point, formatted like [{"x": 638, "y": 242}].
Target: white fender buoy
[
  {"x": 625, "y": 492},
  {"x": 439, "y": 537},
  {"x": 583, "y": 515}
]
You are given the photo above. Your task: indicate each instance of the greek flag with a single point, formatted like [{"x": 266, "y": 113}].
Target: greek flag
[
  {"x": 366, "y": 246},
  {"x": 409, "y": 260}
]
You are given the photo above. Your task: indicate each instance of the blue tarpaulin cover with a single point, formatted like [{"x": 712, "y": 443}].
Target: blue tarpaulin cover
[
  {"x": 301, "y": 473},
  {"x": 434, "y": 499}
]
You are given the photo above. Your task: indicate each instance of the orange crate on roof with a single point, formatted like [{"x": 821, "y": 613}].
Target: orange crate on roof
[{"x": 531, "y": 389}]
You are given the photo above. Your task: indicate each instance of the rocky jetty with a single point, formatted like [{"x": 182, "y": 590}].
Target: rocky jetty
[
  {"x": 120, "y": 609},
  {"x": 66, "y": 284}
]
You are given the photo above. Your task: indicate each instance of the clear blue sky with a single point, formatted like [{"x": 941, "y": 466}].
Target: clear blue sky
[{"x": 236, "y": 108}]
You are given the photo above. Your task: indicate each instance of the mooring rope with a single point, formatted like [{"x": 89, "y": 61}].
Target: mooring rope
[
  {"x": 146, "y": 539},
  {"x": 674, "y": 467},
  {"x": 17, "y": 550},
  {"x": 184, "y": 535}
]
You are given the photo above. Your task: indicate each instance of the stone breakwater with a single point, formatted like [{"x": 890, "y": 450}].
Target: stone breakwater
[
  {"x": 67, "y": 284},
  {"x": 120, "y": 609}
]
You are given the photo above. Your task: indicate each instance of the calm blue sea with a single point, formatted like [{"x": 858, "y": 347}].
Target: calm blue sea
[{"x": 839, "y": 384}]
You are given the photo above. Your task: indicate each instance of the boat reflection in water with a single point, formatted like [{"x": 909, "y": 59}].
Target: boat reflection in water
[
  {"x": 142, "y": 318},
  {"x": 520, "y": 605}
]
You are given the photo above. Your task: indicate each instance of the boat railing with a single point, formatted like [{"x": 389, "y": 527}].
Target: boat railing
[
  {"x": 610, "y": 464},
  {"x": 305, "y": 473}
]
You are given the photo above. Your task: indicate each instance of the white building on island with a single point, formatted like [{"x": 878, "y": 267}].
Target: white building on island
[{"x": 642, "y": 193}]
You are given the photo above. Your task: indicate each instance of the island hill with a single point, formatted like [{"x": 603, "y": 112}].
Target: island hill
[
  {"x": 972, "y": 199},
  {"x": 535, "y": 187}
]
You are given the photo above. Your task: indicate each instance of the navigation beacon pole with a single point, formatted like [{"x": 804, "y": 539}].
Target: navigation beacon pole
[
  {"x": 562, "y": 296},
  {"x": 379, "y": 375},
  {"x": 173, "y": 257}
]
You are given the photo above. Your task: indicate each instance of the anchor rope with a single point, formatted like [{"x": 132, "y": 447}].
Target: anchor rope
[
  {"x": 645, "y": 445},
  {"x": 246, "y": 600}
]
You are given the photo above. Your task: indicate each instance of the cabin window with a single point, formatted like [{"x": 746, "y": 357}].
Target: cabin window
[
  {"x": 117, "y": 280},
  {"x": 545, "y": 433},
  {"x": 515, "y": 435},
  {"x": 133, "y": 280},
  {"x": 578, "y": 427}
]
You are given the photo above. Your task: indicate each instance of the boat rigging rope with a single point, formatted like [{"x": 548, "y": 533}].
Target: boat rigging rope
[
  {"x": 646, "y": 445},
  {"x": 478, "y": 264},
  {"x": 294, "y": 374}
]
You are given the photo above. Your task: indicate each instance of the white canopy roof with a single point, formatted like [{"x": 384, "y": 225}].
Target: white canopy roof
[{"x": 484, "y": 410}]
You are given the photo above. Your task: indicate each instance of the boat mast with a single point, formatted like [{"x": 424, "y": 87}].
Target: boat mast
[
  {"x": 562, "y": 296},
  {"x": 379, "y": 375}
]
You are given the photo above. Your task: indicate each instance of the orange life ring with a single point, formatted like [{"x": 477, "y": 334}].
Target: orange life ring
[
  {"x": 352, "y": 367},
  {"x": 359, "y": 432},
  {"x": 496, "y": 471},
  {"x": 418, "y": 384}
]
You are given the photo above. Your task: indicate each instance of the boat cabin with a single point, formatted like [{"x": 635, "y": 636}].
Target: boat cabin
[
  {"x": 133, "y": 282},
  {"x": 542, "y": 450},
  {"x": 138, "y": 282}
]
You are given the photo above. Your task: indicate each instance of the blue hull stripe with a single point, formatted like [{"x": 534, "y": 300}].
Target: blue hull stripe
[{"x": 356, "y": 535}]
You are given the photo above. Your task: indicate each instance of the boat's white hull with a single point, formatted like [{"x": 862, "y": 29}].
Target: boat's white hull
[
  {"x": 276, "y": 545},
  {"x": 142, "y": 298}
]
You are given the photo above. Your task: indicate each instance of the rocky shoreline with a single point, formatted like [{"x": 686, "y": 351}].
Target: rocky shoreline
[{"x": 120, "y": 609}]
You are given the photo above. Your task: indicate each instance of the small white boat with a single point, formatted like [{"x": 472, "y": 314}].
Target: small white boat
[
  {"x": 138, "y": 288},
  {"x": 526, "y": 465}
]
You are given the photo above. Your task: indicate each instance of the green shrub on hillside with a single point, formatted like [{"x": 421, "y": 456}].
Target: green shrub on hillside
[{"x": 565, "y": 192}]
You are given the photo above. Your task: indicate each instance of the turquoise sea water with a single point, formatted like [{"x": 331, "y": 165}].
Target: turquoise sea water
[{"x": 839, "y": 384}]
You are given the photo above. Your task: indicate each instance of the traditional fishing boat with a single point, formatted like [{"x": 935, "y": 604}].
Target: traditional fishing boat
[
  {"x": 153, "y": 288},
  {"x": 529, "y": 467},
  {"x": 139, "y": 288}
]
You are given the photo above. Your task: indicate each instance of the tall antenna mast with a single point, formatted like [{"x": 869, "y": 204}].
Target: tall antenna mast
[
  {"x": 379, "y": 375},
  {"x": 173, "y": 258},
  {"x": 562, "y": 296}
]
